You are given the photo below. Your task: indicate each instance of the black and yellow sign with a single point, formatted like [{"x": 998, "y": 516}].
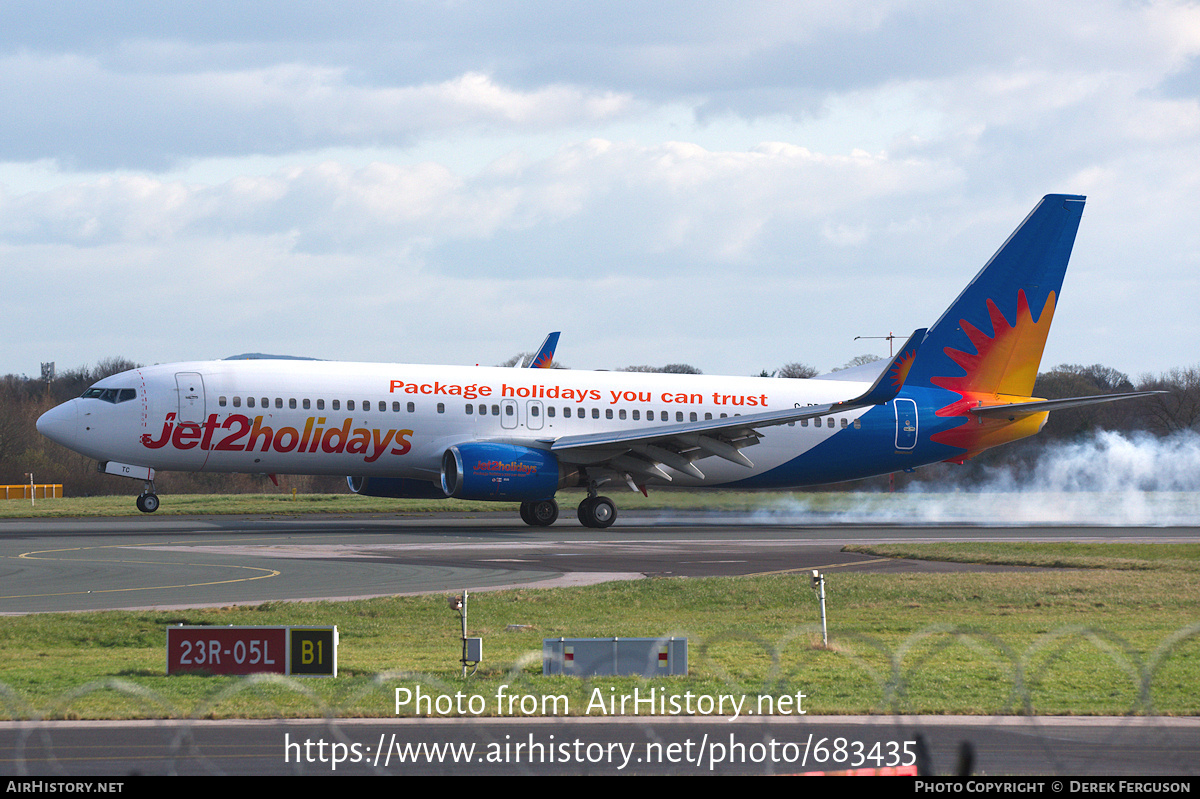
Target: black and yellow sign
[{"x": 312, "y": 651}]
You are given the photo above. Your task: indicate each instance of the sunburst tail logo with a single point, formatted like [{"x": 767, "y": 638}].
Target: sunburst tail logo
[
  {"x": 1002, "y": 368},
  {"x": 1005, "y": 362},
  {"x": 901, "y": 368}
]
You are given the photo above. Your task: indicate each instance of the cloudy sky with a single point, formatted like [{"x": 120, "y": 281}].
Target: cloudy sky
[{"x": 734, "y": 186}]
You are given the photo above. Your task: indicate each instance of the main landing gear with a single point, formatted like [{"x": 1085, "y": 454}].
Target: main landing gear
[
  {"x": 597, "y": 512},
  {"x": 147, "y": 502},
  {"x": 594, "y": 511},
  {"x": 541, "y": 513}
]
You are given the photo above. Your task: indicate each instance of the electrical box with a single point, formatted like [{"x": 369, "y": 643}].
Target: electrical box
[{"x": 647, "y": 657}]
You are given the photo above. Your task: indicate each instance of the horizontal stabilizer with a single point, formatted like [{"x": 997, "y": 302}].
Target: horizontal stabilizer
[{"x": 1041, "y": 406}]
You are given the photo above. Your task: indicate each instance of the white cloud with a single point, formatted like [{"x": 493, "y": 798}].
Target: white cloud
[
  {"x": 463, "y": 177},
  {"x": 82, "y": 112},
  {"x": 709, "y": 208}
]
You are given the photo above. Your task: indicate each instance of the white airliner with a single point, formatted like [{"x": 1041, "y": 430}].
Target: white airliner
[{"x": 404, "y": 430}]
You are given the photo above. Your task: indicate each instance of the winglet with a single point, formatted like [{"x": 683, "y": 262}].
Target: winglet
[
  {"x": 891, "y": 379},
  {"x": 545, "y": 354}
]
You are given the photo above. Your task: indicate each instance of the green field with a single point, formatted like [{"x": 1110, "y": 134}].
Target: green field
[{"x": 1084, "y": 629}]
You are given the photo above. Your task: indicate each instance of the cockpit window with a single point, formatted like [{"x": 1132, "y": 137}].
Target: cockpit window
[{"x": 113, "y": 395}]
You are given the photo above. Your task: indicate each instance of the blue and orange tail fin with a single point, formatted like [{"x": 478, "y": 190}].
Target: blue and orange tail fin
[
  {"x": 544, "y": 358},
  {"x": 990, "y": 340}
]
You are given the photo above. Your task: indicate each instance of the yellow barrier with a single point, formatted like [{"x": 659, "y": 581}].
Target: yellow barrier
[{"x": 40, "y": 491}]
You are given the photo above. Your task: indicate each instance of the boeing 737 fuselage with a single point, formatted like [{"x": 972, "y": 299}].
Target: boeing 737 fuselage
[{"x": 403, "y": 430}]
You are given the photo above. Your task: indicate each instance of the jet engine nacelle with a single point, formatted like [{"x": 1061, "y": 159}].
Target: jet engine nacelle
[
  {"x": 395, "y": 488},
  {"x": 485, "y": 470}
]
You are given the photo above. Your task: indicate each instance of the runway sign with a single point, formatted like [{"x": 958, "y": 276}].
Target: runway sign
[{"x": 301, "y": 651}]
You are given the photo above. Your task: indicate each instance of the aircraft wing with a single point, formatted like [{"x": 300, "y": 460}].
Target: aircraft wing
[
  {"x": 1040, "y": 406},
  {"x": 644, "y": 451}
]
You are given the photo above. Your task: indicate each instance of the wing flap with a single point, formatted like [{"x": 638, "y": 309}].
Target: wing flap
[
  {"x": 883, "y": 390},
  {"x": 676, "y": 446}
]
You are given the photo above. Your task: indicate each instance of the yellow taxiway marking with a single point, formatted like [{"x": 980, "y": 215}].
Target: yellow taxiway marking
[
  {"x": 809, "y": 569},
  {"x": 46, "y": 554}
]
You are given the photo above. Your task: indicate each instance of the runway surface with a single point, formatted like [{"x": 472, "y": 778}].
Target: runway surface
[{"x": 165, "y": 562}]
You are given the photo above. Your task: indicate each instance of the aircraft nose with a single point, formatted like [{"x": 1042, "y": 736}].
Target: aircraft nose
[{"x": 60, "y": 424}]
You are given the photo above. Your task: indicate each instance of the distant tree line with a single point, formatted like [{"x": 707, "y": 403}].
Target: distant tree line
[
  {"x": 24, "y": 450},
  {"x": 669, "y": 369}
]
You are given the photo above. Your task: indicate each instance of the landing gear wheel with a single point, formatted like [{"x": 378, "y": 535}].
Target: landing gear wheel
[
  {"x": 147, "y": 503},
  {"x": 543, "y": 512},
  {"x": 526, "y": 513},
  {"x": 598, "y": 512}
]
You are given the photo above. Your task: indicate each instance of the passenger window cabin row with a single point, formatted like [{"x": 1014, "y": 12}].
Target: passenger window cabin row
[
  {"x": 308, "y": 404},
  {"x": 482, "y": 409}
]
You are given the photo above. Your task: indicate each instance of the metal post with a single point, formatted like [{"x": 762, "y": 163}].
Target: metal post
[
  {"x": 818, "y": 584},
  {"x": 464, "y": 633},
  {"x": 459, "y": 605}
]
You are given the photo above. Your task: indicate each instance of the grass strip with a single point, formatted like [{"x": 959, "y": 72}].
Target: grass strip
[{"x": 1116, "y": 633}]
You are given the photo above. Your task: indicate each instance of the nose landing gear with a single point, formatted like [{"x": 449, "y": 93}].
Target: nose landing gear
[{"x": 147, "y": 502}]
